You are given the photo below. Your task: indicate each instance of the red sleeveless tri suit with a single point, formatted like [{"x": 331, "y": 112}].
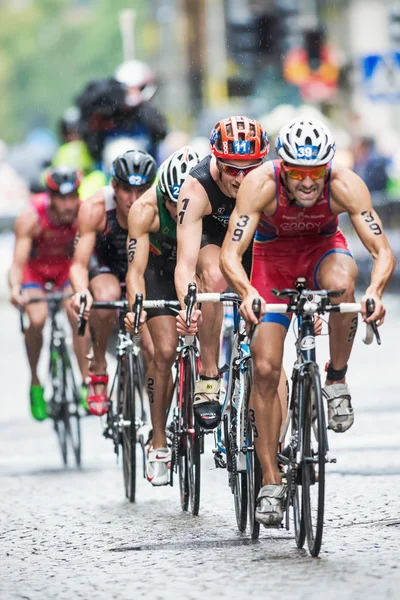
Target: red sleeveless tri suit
[
  {"x": 52, "y": 250},
  {"x": 292, "y": 243}
]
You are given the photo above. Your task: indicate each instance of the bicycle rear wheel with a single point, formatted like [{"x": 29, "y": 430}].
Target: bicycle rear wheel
[
  {"x": 127, "y": 403},
  {"x": 194, "y": 434},
  {"x": 253, "y": 467},
  {"x": 314, "y": 456}
]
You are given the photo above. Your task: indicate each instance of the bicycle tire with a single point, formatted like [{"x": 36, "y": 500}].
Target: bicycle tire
[
  {"x": 179, "y": 445},
  {"x": 313, "y": 464},
  {"x": 296, "y": 491},
  {"x": 183, "y": 481},
  {"x": 194, "y": 435},
  {"x": 127, "y": 390},
  {"x": 71, "y": 414},
  {"x": 56, "y": 403},
  {"x": 238, "y": 478},
  {"x": 253, "y": 467}
]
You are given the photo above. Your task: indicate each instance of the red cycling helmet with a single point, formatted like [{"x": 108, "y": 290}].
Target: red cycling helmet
[
  {"x": 239, "y": 138},
  {"x": 63, "y": 180}
]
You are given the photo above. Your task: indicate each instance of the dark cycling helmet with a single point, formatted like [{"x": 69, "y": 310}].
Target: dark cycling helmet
[
  {"x": 174, "y": 171},
  {"x": 239, "y": 138},
  {"x": 63, "y": 180},
  {"x": 134, "y": 167}
]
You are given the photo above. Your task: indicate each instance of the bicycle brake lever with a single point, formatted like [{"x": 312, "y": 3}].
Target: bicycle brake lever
[
  {"x": 81, "y": 320},
  {"x": 256, "y": 306},
  {"x": 190, "y": 301},
  {"x": 137, "y": 310},
  {"x": 370, "y": 309}
]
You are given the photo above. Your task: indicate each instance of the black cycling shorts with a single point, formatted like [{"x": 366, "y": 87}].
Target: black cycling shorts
[
  {"x": 98, "y": 268},
  {"x": 159, "y": 281}
]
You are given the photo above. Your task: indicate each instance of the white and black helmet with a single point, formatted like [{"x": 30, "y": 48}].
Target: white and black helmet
[
  {"x": 174, "y": 171},
  {"x": 304, "y": 142}
]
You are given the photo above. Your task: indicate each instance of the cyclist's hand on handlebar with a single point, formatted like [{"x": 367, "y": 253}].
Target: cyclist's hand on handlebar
[
  {"x": 378, "y": 316},
  {"x": 195, "y": 321},
  {"x": 17, "y": 297},
  {"x": 130, "y": 322},
  {"x": 246, "y": 308},
  {"x": 318, "y": 324},
  {"x": 76, "y": 303}
]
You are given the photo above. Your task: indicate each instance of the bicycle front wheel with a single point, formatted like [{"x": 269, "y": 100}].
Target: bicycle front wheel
[
  {"x": 72, "y": 418},
  {"x": 237, "y": 441},
  {"x": 127, "y": 390},
  {"x": 194, "y": 435},
  {"x": 295, "y": 490},
  {"x": 314, "y": 457},
  {"x": 57, "y": 406},
  {"x": 253, "y": 467}
]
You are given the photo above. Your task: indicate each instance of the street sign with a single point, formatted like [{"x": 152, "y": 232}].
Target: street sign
[{"x": 381, "y": 76}]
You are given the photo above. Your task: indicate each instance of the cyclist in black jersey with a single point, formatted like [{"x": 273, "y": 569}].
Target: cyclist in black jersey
[
  {"x": 152, "y": 260},
  {"x": 206, "y": 201},
  {"x": 100, "y": 261}
]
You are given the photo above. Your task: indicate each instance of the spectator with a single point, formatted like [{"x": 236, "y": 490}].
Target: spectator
[{"x": 370, "y": 165}]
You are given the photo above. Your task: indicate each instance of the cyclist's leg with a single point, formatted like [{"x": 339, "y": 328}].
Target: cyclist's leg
[
  {"x": 81, "y": 344},
  {"x": 267, "y": 352},
  {"x": 336, "y": 269},
  {"x": 210, "y": 280},
  {"x": 159, "y": 376},
  {"x": 207, "y": 408},
  {"x": 105, "y": 287},
  {"x": 147, "y": 348},
  {"x": 37, "y": 314}
]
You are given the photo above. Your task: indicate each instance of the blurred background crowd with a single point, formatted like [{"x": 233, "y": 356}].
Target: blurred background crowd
[{"x": 83, "y": 80}]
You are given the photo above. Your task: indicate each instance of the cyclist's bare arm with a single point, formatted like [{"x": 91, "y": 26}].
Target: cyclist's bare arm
[
  {"x": 193, "y": 205},
  {"x": 256, "y": 195},
  {"x": 143, "y": 219},
  {"x": 91, "y": 219},
  {"x": 27, "y": 226},
  {"x": 351, "y": 195}
]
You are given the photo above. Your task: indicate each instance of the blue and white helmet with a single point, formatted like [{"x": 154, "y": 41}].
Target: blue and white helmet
[
  {"x": 174, "y": 170},
  {"x": 305, "y": 142}
]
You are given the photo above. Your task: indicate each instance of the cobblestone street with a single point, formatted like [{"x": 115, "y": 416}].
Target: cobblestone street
[{"x": 71, "y": 534}]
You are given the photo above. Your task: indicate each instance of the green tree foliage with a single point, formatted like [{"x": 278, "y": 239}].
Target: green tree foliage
[{"x": 49, "y": 49}]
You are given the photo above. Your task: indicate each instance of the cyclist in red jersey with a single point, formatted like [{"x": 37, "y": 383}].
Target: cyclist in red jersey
[
  {"x": 292, "y": 206},
  {"x": 45, "y": 233}
]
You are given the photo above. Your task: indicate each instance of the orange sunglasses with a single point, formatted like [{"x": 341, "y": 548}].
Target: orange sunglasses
[{"x": 301, "y": 173}]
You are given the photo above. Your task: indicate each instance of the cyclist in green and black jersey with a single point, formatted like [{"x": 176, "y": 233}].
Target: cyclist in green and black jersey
[{"x": 151, "y": 264}]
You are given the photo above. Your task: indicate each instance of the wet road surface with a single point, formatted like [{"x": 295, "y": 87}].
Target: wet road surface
[{"x": 66, "y": 533}]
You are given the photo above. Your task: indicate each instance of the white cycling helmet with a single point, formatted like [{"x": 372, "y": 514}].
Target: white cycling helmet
[
  {"x": 174, "y": 171},
  {"x": 139, "y": 79},
  {"x": 304, "y": 142}
]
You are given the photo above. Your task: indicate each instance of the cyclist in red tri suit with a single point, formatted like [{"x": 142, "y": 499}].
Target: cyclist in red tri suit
[
  {"x": 293, "y": 205},
  {"x": 45, "y": 233}
]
